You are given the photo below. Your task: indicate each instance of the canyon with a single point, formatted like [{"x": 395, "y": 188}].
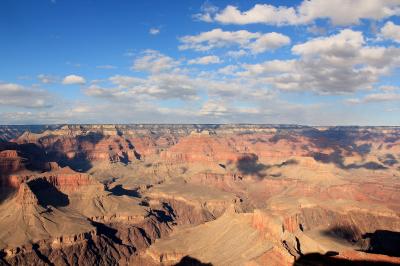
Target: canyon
[{"x": 207, "y": 194}]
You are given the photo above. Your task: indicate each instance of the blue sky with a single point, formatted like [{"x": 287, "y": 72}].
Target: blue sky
[{"x": 200, "y": 62}]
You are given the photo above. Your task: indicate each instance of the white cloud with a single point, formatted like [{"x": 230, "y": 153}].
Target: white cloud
[
  {"x": 386, "y": 93},
  {"x": 268, "y": 67},
  {"x": 154, "y": 31},
  {"x": 205, "y": 60},
  {"x": 207, "y": 11},
  {"x": 236, "y": 54},
  {"x": 391, "y": 31},
  {"x": 154, "y": 62},
  {"x": 388, "y": 88},
  {"x": 260, "y": 13},
  {"x": 269, "y": 41},
  {"x": 73, "y": 79},
  {"x": 339, "y": 12},
  {"x": 47, "y": 79},
  {"x": 376, "y": 97},
  {"x": 382, "y": 97},
  {"x": 346, "y": 12},
  {"x": 216, "y": 38},
  {"x": 346, "y": 43},
  {"x": 126, "y": 81},
  {"x": 12, "y": 94},
  {"x": 158, "y": 86},
  {"x": 220, "y": 108},
  {"x": 213, "y": 108},
  {"x": 253, "y": 41},
  {"x": 340, "y": 63},
  {"x": 234, "y": 89},
  {"x": 228, "y": 70}
]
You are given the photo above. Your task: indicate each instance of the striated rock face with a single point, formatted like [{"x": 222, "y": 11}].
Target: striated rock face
[
  {"x": 10, "y": 162},
  {"x": 200, "y": 148},
  {"x": 67, "y": 180},
  {"x": 219, "y": 194},
  {"x": 25, "y": 196}
]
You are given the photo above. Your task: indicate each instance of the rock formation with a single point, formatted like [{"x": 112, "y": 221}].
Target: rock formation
[{"x": 211, "y": 194}]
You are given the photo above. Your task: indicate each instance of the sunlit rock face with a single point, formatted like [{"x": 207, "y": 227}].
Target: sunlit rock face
[{"x": 210, "y": 194}]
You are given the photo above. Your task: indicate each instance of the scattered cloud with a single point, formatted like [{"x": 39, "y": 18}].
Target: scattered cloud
[
  {"x": 216, "y": 38},
  {"x": 205, "y": 60},
  {"x": 154, "y": 62},
  {"x": 73, "y": 79},
  {"x": 260, "y": 13},
  {"x": 255, "y": 42},
  {"x": 386, "y": 93},
  {"x": 391, "y": 31},
  {"x": 346, "y": 43},
  {"x": 388, "y": 88},
  {"x": 269, "y": 41},
  {"x": 339, "y": 63},
  {"x": 342, "y": 47},
  {"x": 346, "y": 12},
  {"x": 16, "y": 95},
  {"x": 159, "y": 86},
  {"x": 376, "y": 97},
  {"x": 228, "y": 70}
]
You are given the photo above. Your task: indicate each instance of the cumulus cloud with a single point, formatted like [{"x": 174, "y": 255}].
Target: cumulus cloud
[
  {"x": 216, "y": 38},
  {"x": 126, "y": 81},
  {"x": 269, "y": 41},
  {"x": 160, "y": 86},
  {"x": 260, "y": 13},
  {"x": 339, "y": 12},
  {"x": 346, "y": 43},
  {"x": 205, "y": 60},
  {"x": 164, "y": 80},
  {"x": 340, "y": 63},
  {"x": 255, "y": 42},
  {"x": 154, "y": 62},
  {"x": 73, "y": 79},
  {"x": 12, "y": 94},
  {"x": 268, "y": 67},
  {"x": 391, "y": 31}
]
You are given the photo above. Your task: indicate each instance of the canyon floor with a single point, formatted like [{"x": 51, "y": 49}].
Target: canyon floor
[{"x": 199, "y": 195}]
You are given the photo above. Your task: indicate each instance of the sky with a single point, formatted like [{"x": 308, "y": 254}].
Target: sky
[{"x": 311, "y": 62}]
